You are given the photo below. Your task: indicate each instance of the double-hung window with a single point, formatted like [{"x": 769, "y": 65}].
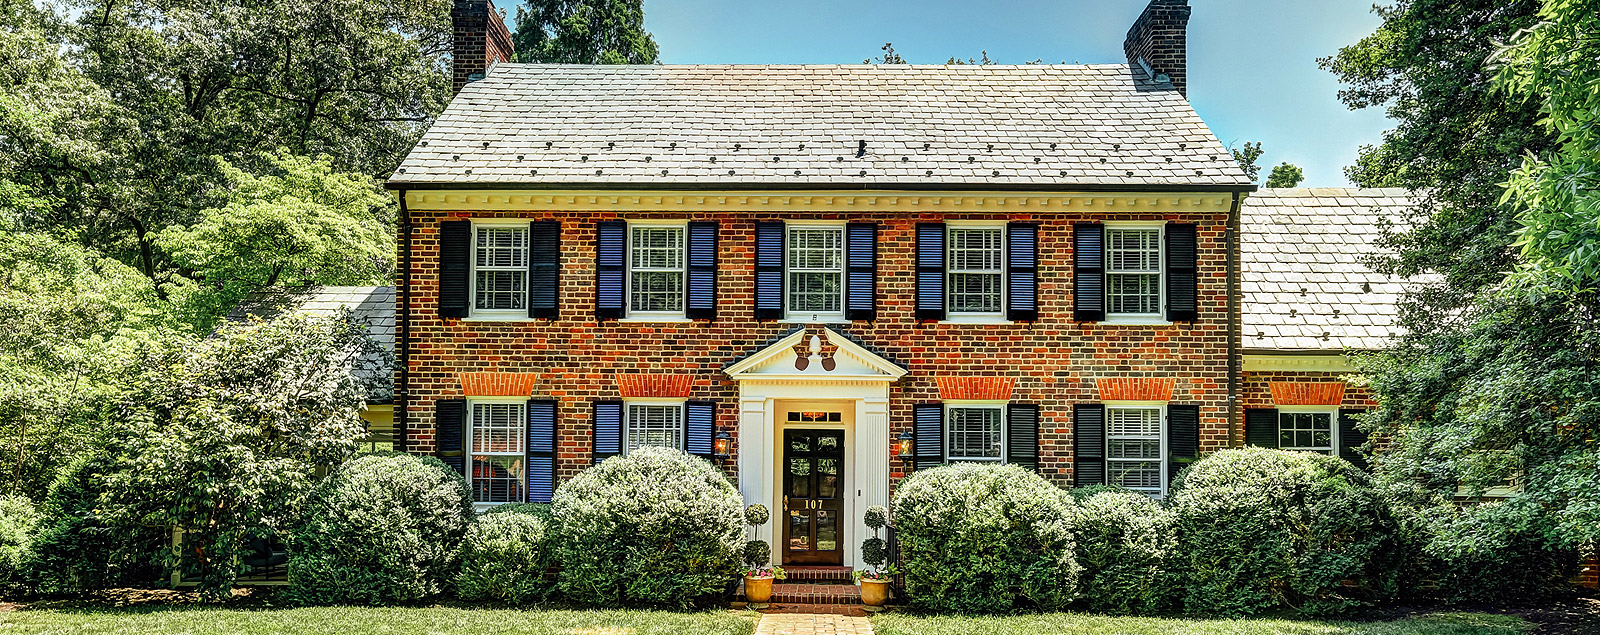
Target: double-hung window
[
  {"x": 498, "y": 438},
  {"x": 1312, "y": 431},
  {"x": 654, "y": 424},
  {"x": 976, "y": 270},
  {"x": 1133, "y": 447},
  {"x": 975, "y": 432},
  {"x": 655, "y": 270},
  {"x": 1133, "y": 271},
  {"x": 815, "y": 285},
  {"x": 500, "y": 269}
]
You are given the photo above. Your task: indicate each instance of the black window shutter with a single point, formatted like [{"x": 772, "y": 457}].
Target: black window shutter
[
  {"x": 611, "y": 266},
  {"x": 1183, "y": 304},
  {"x": 544, "y": 268},
  {"x": 1183, "y": 438},
  {"x": 450, "y": 433},
  {"x": 1261, "y": 427},
  {"x": 1088, "y": 272},
  {"x": 541, "y": 455},
  {"x": 930, "y": 271},
  {"x": 1089, "y": 444},
  {"x": 455, "y": 268},
  {"x": 928, "y": 421},
  {"x": 701, "y": 303},
  {"x": 1022, "y": 272},
  {"x": 1351, "y": 438},
  {"x": 607, "y": 429},
  {"x": 700, "y": 423},
  {"x": 1022, "y": 435},
  {"x": 861, "y": 271},
  {"x": 769, "y": 270}
]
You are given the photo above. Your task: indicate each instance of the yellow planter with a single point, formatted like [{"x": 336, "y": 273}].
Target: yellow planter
[
  {"x": 874, "y": 592},
  {"x": 758, "y": 590}
]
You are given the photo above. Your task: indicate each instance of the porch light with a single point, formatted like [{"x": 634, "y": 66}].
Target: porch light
[
  {"x": 722, "y": 446},
  {"x": 902, "y": 445}
]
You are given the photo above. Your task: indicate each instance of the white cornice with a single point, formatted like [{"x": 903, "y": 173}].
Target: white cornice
[
  {"x": 1332, "y": 362},
  {"x": 818, "y": 200}
]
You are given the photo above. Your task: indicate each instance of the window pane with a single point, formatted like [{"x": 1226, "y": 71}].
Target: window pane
[
  {"x": 497, "y": 478},
  {"x": 502, "y": 247},
  {"x": 816, "y": 248},
  {"x": 974, "y": 433},
  {"x": 1120, "y": 449},
  {"x": 1306, "y": 431},
  {"x": 657, "y": 248},
  {"x": 1133, "y": 250},
  {"x": 814, "y": 292},
  {"x": 1135, "y": 422},
  {"x": 1134, "y": 292},
  {"x": 498, "y": 427},
  {"x": 975, "y": 249},
  {"x": 1133, "y": 447},
  {"x": 650, "y": 425},
  {"x": 975, "y": 292},
  {"x": 1144, "y": 475},
  {"x": 657, "y": 291}
]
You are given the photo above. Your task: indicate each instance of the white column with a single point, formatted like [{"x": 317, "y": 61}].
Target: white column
[
  {"x": 871, "y": 465},
  {"x": 754, "y": 446}
]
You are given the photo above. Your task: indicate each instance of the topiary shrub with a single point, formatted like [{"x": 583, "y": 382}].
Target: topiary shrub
[
  {"x": 655, "y": 526},
  {"x": 1262, "y": 529},
  {"x": 503, "y": 558},
  {"x": 17, "y": 518},
  {"x": 74, "y": 548},
  {"x": 757, "y": 554},
  {"x": 984, "y": 538},
  {"x": 1124, "y": 543},
  {"x": 381, "y": 529}
]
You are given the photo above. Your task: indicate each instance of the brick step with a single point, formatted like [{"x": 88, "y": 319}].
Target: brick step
[
  {"x": 806, "y": 593},
  {"x": 812, "y": 573}
]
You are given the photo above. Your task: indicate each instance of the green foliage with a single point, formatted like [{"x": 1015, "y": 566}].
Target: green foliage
[
  {"x": 583, "y": 32},
  {"x": 17, "y": 519},
  {"x": 381, "y": 529},
  {"x": 1259, "y": 530},
  {"x": 656, "y": 526},
  {"x": 75, "y": 547},
  {"x": 756, "y": 554},
  {"x": 1125, "y": 544},
  {"x": 1501, "y": 552},
  {"x": 757, "y": 515},
  {"x": 504, "y": 557},
  {"x": 876, "y": 517},
  {"x": 1246, "y": 157},
  {"x": 1285, "y": 175},
  {"x": 985, "y": 538}
]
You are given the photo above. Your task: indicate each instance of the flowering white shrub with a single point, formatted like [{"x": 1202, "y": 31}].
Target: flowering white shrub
[{"x": 1124, "y": 543}]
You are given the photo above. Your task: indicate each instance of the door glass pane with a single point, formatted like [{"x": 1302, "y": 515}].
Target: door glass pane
[
  {"x": 827, "y": 478},
  {"x": 827, "y": 531},
  {"x": 800, "y": 477},
  {"x": 799, "y": 531},
  {"x": 799, "y": 443},
  {"x": 828, "y": 445}
]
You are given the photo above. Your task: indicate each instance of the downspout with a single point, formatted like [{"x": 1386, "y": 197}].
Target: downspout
[
  {"x": 1233, "y": 320},
  {"x": 403, "y": 341}
]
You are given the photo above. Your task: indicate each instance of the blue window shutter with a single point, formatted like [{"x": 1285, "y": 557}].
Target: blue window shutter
[
  {"x": 541, "y": 454},
  {"x": 1089, "y": 444},
  {"x": 455, "y": 268},
  {"x": 769, "y": 270},
  {"x": 700, "y": 422},
  {"x": 607, "y": 429},
  {"x": 1351, "y": 438},
  {"x": 1183, "y": 438},
  {"x": 928, "y": 424},
  {"x": 544, "y": 268},
  {"x": 1088, "y": 272},
  {"x": 450, "y": 433},
  {"x": 1261, "y": 427},
  {"x": 611, "y": 265},
  {"x": 1022, "y": 435},
  {"x": 930, "y": 271},
  {"x": 861, "y": 271},
  {"x": 1022, "y": 272},
  {"x": 701, "y": 303},
  {"x": 1183, "y": 303}
]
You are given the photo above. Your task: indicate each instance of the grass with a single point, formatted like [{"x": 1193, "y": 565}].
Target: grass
[
  {"x": 345, "y": 620},
  {"x": 1079, "y": 624}
]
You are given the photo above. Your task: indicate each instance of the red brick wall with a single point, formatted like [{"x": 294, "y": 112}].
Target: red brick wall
[
  {"x": 1255, "y": 390},
  {"x": 1054, "y": 361},
  {"x": 479, "y": 38},
  {"x": 1589, "y": 574}
]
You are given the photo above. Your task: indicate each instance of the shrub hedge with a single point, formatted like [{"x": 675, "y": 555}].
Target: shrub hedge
[
  {"x": 17, "y": 518},
  {"x": 1494, "y": 552},
  {"x": 985, "y": 538},
  {"x": 504, "y": 556},
  {"x": 73, "y": 548},
  {"x": 1125, "y": 545}
]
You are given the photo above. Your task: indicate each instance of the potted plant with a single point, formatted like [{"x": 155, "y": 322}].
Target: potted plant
[
  {"x": 758, "y": 584},
  {"x": 874, "y": 581},
  {"x": 758, "y": 574}
]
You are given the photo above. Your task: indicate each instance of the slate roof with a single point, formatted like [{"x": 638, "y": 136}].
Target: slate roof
[
  {"x": 802, "y": 126},
  {"x": 1304, "y": 285},
  {"x": 373, "y": 305}
]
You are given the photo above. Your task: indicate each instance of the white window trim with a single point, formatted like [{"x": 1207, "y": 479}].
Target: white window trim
[
  {"x": 986, "y": 317},
  {"x": 832, "y": 317},
  {"x": 474, "y": 314},
  {"x": 467, "y": 443},
  {"x": 975, "y": 403},
  {"x": 627, "y": 420},
  {"x": 683, "y": 271},
  {"x": 1333, "y": 425},
  {"x": 1134, "y": 319},
  {"x": 1161, "y": 407}
]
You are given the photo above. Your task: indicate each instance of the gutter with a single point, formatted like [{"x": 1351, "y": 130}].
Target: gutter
[
  {"x": 404, "y": 186},
  {"x": 403, "y": 315},
  {"x": 1234, "y": 321}
]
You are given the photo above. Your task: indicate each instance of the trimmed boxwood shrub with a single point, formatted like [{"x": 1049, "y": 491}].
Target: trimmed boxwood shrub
[
  {"x": 980, "y": 537},
  {"x": 1262, "y": 529},
  {"x": 1124, "y": 543},
  {"x": 381, "y": 529},
  {"x": 655, "y": 526},
  {"x": 504, "y": 556}
]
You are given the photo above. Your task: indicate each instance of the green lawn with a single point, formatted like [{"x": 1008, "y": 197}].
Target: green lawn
[
  {"x": 358, "y": 620},
  {"x": 1441, "y": 624}
]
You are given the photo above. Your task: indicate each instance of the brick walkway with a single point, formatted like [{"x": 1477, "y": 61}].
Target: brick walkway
[{"x": 812, "y": 624}]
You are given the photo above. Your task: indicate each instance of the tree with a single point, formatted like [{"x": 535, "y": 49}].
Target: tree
[
  {"x": 1246, "y": 157},
  {"x": 583, "y": 32},
  {"x": 889, "y": 56},
  {"x": 1285, "y": 175}
]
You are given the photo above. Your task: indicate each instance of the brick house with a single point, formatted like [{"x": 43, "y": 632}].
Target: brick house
[{"x": 823, "y": 277}]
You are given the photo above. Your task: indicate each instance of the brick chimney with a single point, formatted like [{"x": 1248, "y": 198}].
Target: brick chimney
[
  {"x": 479, "y": 39},
  {"x": 1158, "y": 42}
]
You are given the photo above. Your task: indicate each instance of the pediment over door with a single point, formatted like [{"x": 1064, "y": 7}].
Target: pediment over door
[{"x": 850, "y": 361}]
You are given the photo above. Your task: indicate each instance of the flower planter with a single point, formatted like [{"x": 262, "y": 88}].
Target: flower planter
[
  {"x": 874, "y": 592},
  {"x": 758, "y": 590}
]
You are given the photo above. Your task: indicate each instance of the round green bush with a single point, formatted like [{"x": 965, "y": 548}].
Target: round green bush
[
  {"x": 757, "y": 515},
  {"x": 655, "y": 526},
  {"x": 1501, "y": 552},
  {"x": 503, "y": 558},
  {"x": 381, "y": 529},
  {"x": 985, "y": 538},
  {"x": 757, "y": 554},
  {"x": 1124, "y": 543},
  {"x": 1262, "y": 529},
  {"x": 876, "y": 517}
]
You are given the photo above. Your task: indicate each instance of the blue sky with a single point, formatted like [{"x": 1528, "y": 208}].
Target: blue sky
[{"x": 1253, "y": 73}]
